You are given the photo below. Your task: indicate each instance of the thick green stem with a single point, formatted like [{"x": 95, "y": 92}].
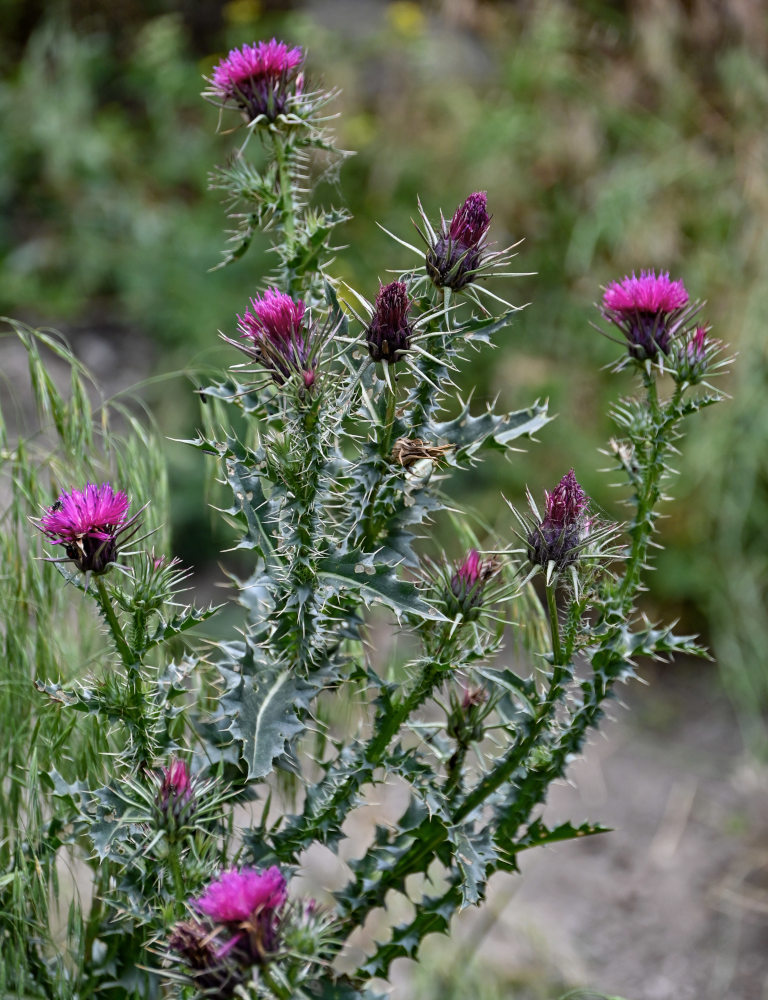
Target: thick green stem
[
  {"x": 389, "y": 423},
  {"x": 178, "y": 882},
  {"x": 554, "y": 625},
  {"x": 134, "y": 715},
  {"x": 287, "y": 211},
  {"x": 292, "y": 836},
  {"x": 455, "y": 770},
  {"x": 647, "y": 496},
  {"x": 105, "y": 603},
  {"x": 371, "y": 524},
  {"x": 297, "y": 627},
  {"x": 518, "y": 753}
]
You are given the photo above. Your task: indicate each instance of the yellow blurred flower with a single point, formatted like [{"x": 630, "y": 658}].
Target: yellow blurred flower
[
  {"x": 242, "y": 11},
  {"x": 406, "y": 17}
]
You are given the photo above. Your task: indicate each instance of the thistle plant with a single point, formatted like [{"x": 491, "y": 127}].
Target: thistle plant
[{"x": 335, "y": 439}]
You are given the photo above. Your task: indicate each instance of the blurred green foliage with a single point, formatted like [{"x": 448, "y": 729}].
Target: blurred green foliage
[{"x": 612, "y": 136}]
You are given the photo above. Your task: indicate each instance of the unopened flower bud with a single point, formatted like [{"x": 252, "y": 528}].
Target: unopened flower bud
[
  {"x": 558, "y": 536},
  {"x": 468, "y": 582},
  {"x": 474, "y": 695},
  {"x": 465, "y": 720},
  {"x": 694, "y": 355},
  {"x": 389, "y": 333},
  {"x": 456, "y": 254},
  {"x": 175, "y": 795}
]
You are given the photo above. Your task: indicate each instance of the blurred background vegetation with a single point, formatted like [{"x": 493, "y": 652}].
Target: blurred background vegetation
[{"x": 612, "y": 136}]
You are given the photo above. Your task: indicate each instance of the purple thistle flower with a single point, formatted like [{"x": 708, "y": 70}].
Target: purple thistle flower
[
  {"x": 389, "y": 333},
  {"x": 648, "y": 311},
  {"x": 175, "y": 795},
  {"x": 277, "y": 335},
  {"x": 261, "y": 79},
  {"x": 469, "y": 580},
  {"x": 565, "y": 525},
  {"x": 237, "y": 894},
  {"x": 89, "y": 524},
  {"x": 456, "y": 254},
  {"x": 249, "y": 902}
]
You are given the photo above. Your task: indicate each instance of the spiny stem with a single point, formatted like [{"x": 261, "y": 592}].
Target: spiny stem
[
  {"x": 178, "y": 883},
  {"x": 287, "y": 210},
  {"x": 647, "y": 496},
  {"x": 389, "y": 423},
  {"x": 105, "y": 603}
]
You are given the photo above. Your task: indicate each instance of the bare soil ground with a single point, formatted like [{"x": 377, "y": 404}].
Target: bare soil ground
[{"x": 673, "y": 903}]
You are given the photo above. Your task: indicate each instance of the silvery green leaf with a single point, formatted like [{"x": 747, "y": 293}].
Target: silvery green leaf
[
  {"x": 468, "y": 434},
  {"x": 375, "y": 583}
]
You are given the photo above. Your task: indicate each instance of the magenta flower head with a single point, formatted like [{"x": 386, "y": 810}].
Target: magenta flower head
[
  {"x": 565, "y": 525},
  {"x": 90, "y": 524},
  {"x": 262, "y": 80},
  {"x": 649, "y": 311},
  {"x": 456, "y": 253},
  {"x": 278, "y": 338},
  {"x": 469, "y": 581},
  {"x": 389, "y": 333},
  {"x": 250, "y": 903},
  {"x": 175, "y": 799}
]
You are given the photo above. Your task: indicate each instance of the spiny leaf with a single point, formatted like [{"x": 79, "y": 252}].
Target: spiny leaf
[
  {"x": 468, "y": 434},
  {"x": 180, "y": 623},
  {"x": 476, "y": 857},
  {"x": 375, "y": 583},
  {"x": 251, "y": 500},
  {"x": 433, "y": 917},
  {"x": 264, "y": 716},
  {"x": 538, "y": 834}
]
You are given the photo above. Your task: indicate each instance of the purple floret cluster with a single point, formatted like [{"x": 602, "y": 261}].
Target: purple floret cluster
[
  {"x": 649, "y": 311},
  {"x": 260, "y": 79},
  {"x": 89, "y": 524},
  {"x": 277, "y": 336}
]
